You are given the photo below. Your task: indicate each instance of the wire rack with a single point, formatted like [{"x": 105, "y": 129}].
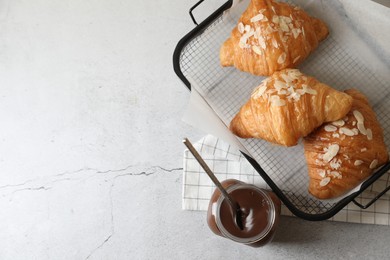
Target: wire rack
[{"x": 227, "y": 89}]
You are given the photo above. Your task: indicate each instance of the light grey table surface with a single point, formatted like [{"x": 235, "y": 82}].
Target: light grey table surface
[{"x": 90, "y": 142}]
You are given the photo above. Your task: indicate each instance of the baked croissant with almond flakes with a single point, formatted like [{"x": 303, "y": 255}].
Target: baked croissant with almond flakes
[
  {"x": 289, "y": 105},
  {"x": 271, "y": 36},
  {"x": 342, "y": 154}
]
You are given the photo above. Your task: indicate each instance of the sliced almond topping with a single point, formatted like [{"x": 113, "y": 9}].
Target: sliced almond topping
[
  {"x": 346, "y": 131},
  {"x": 259, "y": 91},
  {"x": 321, "y": 173},
  {"x": 295, "y": 32},
  {"x": 359, "y": 117},
  {"x": 324, "y": 181},
  {"x": 373, "y": 164},
  {"x": 282, "y": 58},
  {"x": 276, "y": 101},
  {"x": 257, "y": 49},
  {"x": 247, "y": 28},
  {"x": 335, "y": 164},
  {"x": 355, "y": 131},
  {"x": 335, "y": 135},
  {"x": 369, "y": 134},
  {"x": 338, "y": 122},
  {"x": 241, "y": 27},
  {"x": 331, "y": 152},
  {"x": 363, "y": 149},
  {"x": 279, "y": 85},
  {"x": 308, "y": 90},
  {"x": 330, "y": 128},
  {"x": 262, "y": 42},
  {"x": 275, "y": 19},
  {"x": 283, "y": 25},
  {"x": 286, "y": 78},
  {"x": 358, "y": 162},
  {"x": 353, "y": 123},
  {"x": 273, "y": 9},
  {"x": 275, "y": 43},
  {"x": 257, "y": 18},
  {"x": 296, "y": 59},
  {"x": 336, "y": 174},
  {"x": 361, "y": 128}
]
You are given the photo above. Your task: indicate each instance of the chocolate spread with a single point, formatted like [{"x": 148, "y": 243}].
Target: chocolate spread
[{"x": 261, "y": 214}]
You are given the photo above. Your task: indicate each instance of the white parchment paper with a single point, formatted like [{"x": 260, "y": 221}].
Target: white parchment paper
[{"x": 355, "y": 55}]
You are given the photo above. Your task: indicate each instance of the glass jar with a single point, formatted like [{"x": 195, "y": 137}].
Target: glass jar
[{"x": 261, "y": 210}]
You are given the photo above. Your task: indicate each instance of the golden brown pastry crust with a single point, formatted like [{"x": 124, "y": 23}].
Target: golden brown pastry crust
[
  {"x": 357, "y": 156},
  {"x": 271, "y": 36},
  {"x": 289, "y": 105}
]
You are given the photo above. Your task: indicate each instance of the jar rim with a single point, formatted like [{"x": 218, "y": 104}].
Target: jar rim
[{"x": 271, "y": 215}]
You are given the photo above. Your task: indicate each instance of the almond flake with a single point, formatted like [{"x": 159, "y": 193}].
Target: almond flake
[
  {"x": 369, "y": 134},
  {"x": 240, "y": 27},
  {"x": 336, "y": 174},
  {"x": 257, "y": 18},
  {"x": 363, "y": 149},
  {"x": 324, "y": 181},
  {"x": 321, "y": 173},
  {"x": 279, "y": 85},
  {"x": 283, "y": 25},
  {"x": 296, "y": 59},
  {"x": 330, "y": 128},
  {"x": 373, "y": 164},
  {"x": 355, "y": 131},
  {"x": 257, "y": 49},
  {"x": 247, "y": 28},
  {"x": 353, "y": 123},
  {"x": 287, "y": 19},
  {"x": 308, "y": 90},
  {"x": 295, "y": 32},
  {"x": 286, "y": 78},
  {"x": 275, "y": 43},
  {"x": 331, "y": 152},
  {"x": 335, "y": 135},
  {"x": 273, "y": 9},
  {"x": 358, "y": 162},
  {"x": 335, "y": 164},
  {"x": 359, "y": 117},
  {"x": 276, "y": 101},
  {"x": 294, "y": 74},
  {"x": 346, "y": 131},
  {"x": 361, "y": 128},
  {"x": 338, "y": 122},
  {"x": 259, "y": 91},
  {"x": 261, "y": 42},
  {"x": 282, "y": 58},
  {"x": 275, "y": 19},
  {"x": 360, "y": 122}
]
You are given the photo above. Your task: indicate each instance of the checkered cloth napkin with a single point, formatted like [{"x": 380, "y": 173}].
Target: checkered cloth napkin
[{"x": 228, "y": 163}]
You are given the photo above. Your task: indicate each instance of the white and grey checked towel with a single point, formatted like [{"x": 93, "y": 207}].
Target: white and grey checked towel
[{"x": 228, "y": 163}]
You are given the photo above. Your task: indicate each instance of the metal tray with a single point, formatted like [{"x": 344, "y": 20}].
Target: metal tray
[{"x": 196, "y": 57}]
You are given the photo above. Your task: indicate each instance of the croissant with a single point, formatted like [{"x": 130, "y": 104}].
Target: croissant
[
  {"x": 271, "y": 36},
  {"x": 342, "y": 154},
  {"x": 289, "y": 105}
]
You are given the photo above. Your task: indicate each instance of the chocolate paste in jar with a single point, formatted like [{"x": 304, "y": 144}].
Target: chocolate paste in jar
[{"x": 261, "y": 214}]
